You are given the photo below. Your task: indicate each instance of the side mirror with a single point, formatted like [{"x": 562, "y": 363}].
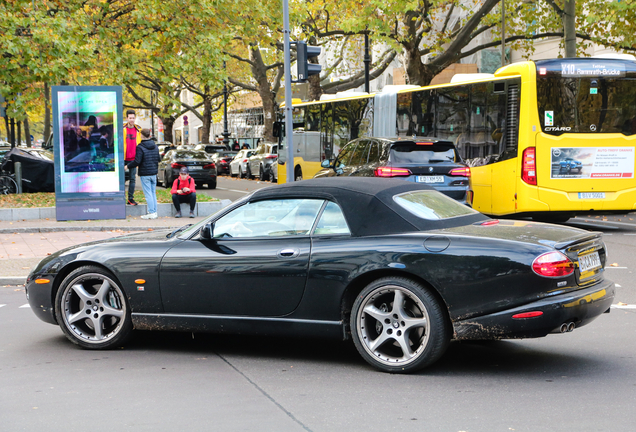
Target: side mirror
[
  {"x": 327, "y": 163},
  {"x": 207, "y": 231}
]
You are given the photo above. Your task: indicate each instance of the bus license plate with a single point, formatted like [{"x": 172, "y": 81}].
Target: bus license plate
[
  {"x": 430, "y": 179},
  {"x": 589, "y": 262},
  {"x": 193, "y": 168},
  {"x": 591, "y": 195}
]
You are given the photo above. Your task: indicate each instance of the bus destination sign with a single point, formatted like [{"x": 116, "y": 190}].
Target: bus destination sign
[{"x": 592, "y": 69}]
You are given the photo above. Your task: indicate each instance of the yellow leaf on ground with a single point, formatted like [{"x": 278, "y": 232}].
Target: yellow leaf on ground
[{"x": 614, "y": 265}]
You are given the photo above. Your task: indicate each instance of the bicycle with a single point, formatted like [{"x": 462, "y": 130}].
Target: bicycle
[{"x": 8, "y": 184}]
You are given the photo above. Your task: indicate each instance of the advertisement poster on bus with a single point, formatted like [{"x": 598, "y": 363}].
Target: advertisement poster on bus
[
  {"x": 89, "y": 175},
  {"x": 592, "y": 162}
]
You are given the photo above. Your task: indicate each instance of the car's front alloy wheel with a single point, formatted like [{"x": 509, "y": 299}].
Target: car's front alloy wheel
[
  {"x": 398, "y": 326},
  {"x": 91, "y": 309}
]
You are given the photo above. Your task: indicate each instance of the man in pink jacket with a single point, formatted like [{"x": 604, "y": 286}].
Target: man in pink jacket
[{"x": 184, "y": 191}]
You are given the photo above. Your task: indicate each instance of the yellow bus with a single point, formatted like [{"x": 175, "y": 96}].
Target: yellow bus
[{"x": 548, "y": 139}]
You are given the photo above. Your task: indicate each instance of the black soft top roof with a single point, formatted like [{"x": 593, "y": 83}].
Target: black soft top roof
[{"x": 367, "y": 203}]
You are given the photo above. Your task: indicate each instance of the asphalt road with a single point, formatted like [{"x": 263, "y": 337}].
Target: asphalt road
[{"x": 579, "y": 381}]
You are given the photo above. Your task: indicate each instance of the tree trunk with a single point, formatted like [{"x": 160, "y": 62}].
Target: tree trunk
[
  {"x": 47, "y": 113},
  {"x": 315, "y": 90},
  {"x": 19, "y": 140},
  {"x": 207, "y": 116},
  {"x": 569, "y": 28},
  {"x": 259, "y": 72},
  {"x": 27, "y": 132},
  {"x": 168, "y": 122}
]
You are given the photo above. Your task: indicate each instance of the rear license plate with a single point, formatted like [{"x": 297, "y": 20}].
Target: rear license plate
[
  {"x": 589, "y": 262},
  {"x": 194, "y": 168},
  {"x": 591, "y": 195},
  {"x": 430, "y": 179}
]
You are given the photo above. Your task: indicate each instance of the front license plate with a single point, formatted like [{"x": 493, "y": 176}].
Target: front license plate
[
  {"x": 194, "y": 168},
  {"x": 430, "y": 179},
  {"x": 589, "y": 262},
  {"x": 591, "y": 195}
]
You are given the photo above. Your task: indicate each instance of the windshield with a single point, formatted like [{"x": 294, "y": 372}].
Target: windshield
[
  {"x": 422, "y": 153},
  {"x": 432, "y": 205},
  {"x": 587, "y": 96}
]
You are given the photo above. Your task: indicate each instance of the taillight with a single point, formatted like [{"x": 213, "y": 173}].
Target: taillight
[
  {"x": 271, "y": 156},
  {"x": 464, "y": 172},
  {"x": 209, "y": 166},
  {"x": 244, "y": 160},
  {"x": 391, "y": 172},
  {"x": 176, "y": 165},
  {"x": 553, "y": 264},
  {"x": 529, "y": 166}
]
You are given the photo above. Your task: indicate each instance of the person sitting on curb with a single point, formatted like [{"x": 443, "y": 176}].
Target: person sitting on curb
[{"x": 184, "y": 191}]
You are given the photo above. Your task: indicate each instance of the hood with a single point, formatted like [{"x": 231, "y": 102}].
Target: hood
[{"x": 148, "y": 144}]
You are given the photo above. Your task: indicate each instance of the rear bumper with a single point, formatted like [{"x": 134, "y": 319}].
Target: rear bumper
[{"x": 578, "y": 307}]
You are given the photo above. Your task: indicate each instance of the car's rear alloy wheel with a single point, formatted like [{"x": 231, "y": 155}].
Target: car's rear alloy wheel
[
  {"x": 91, "y": 309},
  {"x": 261, "y": 173},
  {"x": 398, "y": 326}
]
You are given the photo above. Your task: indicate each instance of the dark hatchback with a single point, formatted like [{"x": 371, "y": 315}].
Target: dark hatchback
[
  {"x": 420, "y": 160},
  {"x": 200, "y": 166},
  {"x": 222, "y": 160}
]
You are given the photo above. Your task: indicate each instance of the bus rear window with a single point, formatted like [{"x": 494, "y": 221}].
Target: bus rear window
[
  {"x": 583, "y": 97},
  {"x": 417, "y": 153}
]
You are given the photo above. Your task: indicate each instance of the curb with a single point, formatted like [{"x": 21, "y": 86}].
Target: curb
[
  {"x": 84, "y": 228},
  {"x": 12, "y": 280}
]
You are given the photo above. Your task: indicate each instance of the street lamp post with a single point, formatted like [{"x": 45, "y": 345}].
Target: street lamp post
[
  {"x": 367, "y": 62},
  {"x": 226, "y": 133}
]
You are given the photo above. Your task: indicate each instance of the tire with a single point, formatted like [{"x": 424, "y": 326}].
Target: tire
[
  {"x": 399, "y": 338},
  {"x": 271, "y": 176},
  {"x": 212, "y": 184},
  {"x": 261, "y": 173},
  {"x": 164, "y": 183},
  {"x": 298, "y": 174},
  {"x": 89, "y": 299},
  {"x": 240, "y": 174},
  {"x": 8, "y": 186},
  {"x": 248, "y": 172}
]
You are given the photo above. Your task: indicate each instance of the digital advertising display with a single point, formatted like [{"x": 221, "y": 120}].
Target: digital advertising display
[
  {"x": 88, "y": 147},
  {"x": 592, "y": 162}
]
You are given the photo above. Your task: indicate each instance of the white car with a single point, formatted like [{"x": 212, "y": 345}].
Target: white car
[{"x": 238, "y": 166}]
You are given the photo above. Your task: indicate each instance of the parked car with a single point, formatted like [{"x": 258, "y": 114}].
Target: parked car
[
  {"x": 569, "y": 164},
  {"x": 238, "y": 166},
  {"x": 418, "y": 159},
  {"x": 260, "y": 162},
  {"x": 222, "y": 160},
  {"x": 212, "y": 148},
  {"x": 396, "y": 266},
  {"x": 165, "y": 147},
  {"x": 200, "y": 166}
]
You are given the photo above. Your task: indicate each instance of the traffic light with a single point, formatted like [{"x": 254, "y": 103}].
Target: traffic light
[{"x": 303, "y": 54}]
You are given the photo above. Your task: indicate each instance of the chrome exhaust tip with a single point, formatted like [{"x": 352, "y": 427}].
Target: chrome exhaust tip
[
  {"x": 564, "y": 328},
  {"x": 571, "y": 326}
]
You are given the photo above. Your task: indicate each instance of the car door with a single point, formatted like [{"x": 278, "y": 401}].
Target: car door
[{"x": 256, "y": 264}]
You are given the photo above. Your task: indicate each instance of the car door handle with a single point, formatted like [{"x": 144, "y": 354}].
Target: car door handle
[{"x": 288, "y": 253}]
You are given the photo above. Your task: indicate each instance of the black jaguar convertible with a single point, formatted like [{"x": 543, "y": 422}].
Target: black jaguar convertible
[{"x": 396, "y": 266}]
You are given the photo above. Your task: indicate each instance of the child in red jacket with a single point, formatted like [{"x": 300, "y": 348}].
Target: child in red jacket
[{"x": 183, "y": 191}]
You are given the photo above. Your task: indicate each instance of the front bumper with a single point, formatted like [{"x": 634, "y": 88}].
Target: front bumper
[
  {"x": 579, "y": 307},
  {"x": 40, "y": 297}
]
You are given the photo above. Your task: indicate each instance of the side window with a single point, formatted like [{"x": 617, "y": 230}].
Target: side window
[
  {"x": 403, "y": 117},
  {"x": 359, "y": 156},
  {"x": 374, "y": 152},
  {"x": 345, "y": 155},
  {"x": 332, "y": 221},
  {"x": 271, "y": 218}
]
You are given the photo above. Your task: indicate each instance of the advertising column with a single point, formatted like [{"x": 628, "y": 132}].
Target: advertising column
[{"x": 89, "y": 152}]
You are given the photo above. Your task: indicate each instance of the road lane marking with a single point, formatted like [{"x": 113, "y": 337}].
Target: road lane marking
[
  {"x": 2, "y": 305},
  {"x": 617, "y": 286},
  {"x": 234, "y": 190},
  {"x": 25, "y": 306},
  {"x": 616, "y": 306},
  {"x": 611, "y": 267}
]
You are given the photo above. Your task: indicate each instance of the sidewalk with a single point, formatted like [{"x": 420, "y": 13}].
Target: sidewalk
[{"x": 23, "y": 243}]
